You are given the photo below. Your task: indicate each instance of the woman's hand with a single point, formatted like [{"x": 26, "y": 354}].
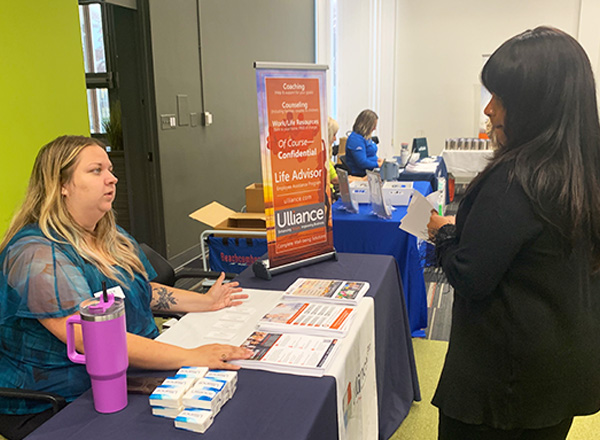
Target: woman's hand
[
  {"x": 379, "y": 162},
  {"x": 224, "y": 295},
  {"x": 436, "y": 221},
  {"x": 216, "y": 356}
]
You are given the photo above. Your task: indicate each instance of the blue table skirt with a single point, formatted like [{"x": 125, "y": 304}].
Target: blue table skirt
[{"x": 366, "y": 233}]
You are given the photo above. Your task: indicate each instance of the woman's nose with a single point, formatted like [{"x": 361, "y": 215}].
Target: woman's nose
[
  {"x": 488, "y": 109},
  {"x": 112, "y": 179}
]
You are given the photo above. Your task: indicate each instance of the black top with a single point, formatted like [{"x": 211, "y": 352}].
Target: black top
[{"x": 524, "y": 347}]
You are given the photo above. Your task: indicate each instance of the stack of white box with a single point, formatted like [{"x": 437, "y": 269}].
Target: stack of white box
[{"x": 193, "y": 396}]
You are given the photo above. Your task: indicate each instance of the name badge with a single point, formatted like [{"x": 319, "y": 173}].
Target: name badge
[{"x": 116, "y": 291}]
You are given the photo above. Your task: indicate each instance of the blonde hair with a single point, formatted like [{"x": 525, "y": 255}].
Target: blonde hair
[
  {"x": 365, "y": 123},
  {"x": 45, "y": 206},
  {"x": 332, "y": 129}
]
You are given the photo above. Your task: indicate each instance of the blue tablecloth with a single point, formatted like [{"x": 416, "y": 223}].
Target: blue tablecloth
[
  {"x": 272, "y": 406},
  {"x": 431, "y": 177},
  {"x": 366, "y": 233}
]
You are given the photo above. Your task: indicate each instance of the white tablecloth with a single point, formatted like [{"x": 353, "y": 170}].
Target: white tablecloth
[
  {"x": 466, "y": 164},
  {"x": 353, "y": 366}
]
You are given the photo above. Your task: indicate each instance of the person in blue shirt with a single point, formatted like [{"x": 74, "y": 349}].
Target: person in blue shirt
[
  {"x": 361, "y": 151},
  {"x": 61, "y": 244}
]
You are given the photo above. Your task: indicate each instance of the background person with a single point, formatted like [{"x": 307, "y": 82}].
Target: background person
[
  {"x": 332, "y": 129},
  {"x": 361, "y": 151},
  {"x": 61, "y": 244},
  {"x": 524, "y": 255}
]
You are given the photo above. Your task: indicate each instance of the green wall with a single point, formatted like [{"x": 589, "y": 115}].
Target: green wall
[{"x": 42, "y": 88}]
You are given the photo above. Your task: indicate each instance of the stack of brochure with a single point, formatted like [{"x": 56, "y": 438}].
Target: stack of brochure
[{"x": 301, "y": 333}]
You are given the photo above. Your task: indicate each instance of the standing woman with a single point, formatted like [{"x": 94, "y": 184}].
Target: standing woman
[
  {"x": 61, "y": 244},
  {"x": 524, "y": 255},
  {"x": 361, "y": 151}
]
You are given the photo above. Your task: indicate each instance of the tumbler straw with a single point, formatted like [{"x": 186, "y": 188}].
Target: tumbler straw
[{"x": 104, "y": 292}]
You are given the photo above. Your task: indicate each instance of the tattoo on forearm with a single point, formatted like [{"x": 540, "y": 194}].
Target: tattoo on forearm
[{"x": 165, "y": 298}]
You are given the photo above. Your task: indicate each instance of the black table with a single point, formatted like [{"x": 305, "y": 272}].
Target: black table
[{"x": 278, "y": 406}]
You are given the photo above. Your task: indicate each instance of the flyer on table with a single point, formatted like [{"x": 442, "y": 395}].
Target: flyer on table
[{"x": 293, "y": 134}]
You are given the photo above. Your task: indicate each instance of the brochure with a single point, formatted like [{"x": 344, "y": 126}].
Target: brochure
[
  {"x": 380, "y": 208},
  {"x": 317, "y": 319},
  {"x": 289, "y": 353},
  {"x": 332, "y": 291},
  {"x": 349, "y": 202}
]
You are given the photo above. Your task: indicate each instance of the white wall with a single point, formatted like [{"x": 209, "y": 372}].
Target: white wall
[
  {"x": 589, "y": 32},
  {"x": 356, "y": 38},
  {"x": 439, "y": 50}
]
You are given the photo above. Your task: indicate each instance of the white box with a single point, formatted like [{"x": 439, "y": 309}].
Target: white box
[
  {"x": 196, "y": 420},
  {"x": 203, "y": 399},
  {"x": 359, "y": 191},
  {"x": 180, "y": 380},
  {"x": 197, "y": 372},
  {"x": 230, "y": 377},
  {"x": 397, "y": 193},
  {"x": 169, "y": 413},
  {"x": 167, "y": 396}
]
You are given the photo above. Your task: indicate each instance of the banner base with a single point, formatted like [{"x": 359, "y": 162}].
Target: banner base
[{"x": 262, "y": 270}]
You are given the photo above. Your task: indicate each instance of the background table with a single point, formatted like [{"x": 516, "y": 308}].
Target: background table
[
  {"x": 466, "y": 164},
  {"x": 366, "y": 233},
  {"x": 271, "y": 406},
  {"x": 428, "y": 176}
]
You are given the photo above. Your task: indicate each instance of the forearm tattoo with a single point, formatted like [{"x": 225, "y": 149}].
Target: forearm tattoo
[{"x": 165, "y": 298}]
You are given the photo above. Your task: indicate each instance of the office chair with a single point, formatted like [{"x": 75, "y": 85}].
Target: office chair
[
  {"x": 343, "y": 165},
  {"x": 19, "y": 430},
  {"x": 57, "y": 402},
  {"x": 166, "y": 274}
]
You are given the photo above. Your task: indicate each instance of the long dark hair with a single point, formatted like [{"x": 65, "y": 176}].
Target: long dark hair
[{"x": 544, "y": 79}]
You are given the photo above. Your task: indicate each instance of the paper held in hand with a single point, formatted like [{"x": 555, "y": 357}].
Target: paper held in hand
[{"x": 418, "y": 214}]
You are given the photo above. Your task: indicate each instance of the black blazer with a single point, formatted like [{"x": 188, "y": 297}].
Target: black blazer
[{"x": 524, "y": 347}]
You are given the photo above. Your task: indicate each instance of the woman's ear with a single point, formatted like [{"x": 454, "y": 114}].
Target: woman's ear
[{"x": 63, "y": 191}]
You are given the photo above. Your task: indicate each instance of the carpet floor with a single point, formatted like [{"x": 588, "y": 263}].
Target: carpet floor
[{"x": 421, "y": 422}]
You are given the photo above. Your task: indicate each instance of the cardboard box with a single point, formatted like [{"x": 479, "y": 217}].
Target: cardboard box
[
  {"x": 218, "y": 216},
  {"x": 255, "y": 199}
]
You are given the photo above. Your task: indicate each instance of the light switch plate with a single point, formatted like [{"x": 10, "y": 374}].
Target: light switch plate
[{"x": 168, "y": 122}]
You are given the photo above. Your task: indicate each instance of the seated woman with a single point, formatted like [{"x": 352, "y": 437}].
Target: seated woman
[
  {"x": 361, "y": 151},
  {"x": 60, "y": 246},
  {"x": 332, "y": 129}
]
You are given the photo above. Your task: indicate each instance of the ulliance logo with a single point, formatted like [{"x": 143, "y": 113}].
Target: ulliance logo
[{"x": 301, "y": 218}]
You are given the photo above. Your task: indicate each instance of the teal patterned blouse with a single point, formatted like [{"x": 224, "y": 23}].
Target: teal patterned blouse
[{"x": 40, "y": 278}]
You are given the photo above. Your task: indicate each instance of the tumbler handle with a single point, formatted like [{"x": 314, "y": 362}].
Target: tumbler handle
[{"x": 71, "y": 352}]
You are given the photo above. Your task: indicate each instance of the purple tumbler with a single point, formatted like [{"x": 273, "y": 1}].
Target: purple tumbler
[{"x": 104, "y": 332}]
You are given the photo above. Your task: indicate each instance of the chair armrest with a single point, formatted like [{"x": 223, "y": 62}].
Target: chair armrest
[
  {"x": 199, "y": 273},
  {"x": 57, "y": 402}
]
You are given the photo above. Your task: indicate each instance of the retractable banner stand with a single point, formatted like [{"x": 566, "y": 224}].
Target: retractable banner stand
[{"x": 292, "y": 114}]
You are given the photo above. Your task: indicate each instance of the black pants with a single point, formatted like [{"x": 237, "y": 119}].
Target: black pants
[
  {"x": 452, "y": 429},
  {"x": 16, "y": 427}
]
